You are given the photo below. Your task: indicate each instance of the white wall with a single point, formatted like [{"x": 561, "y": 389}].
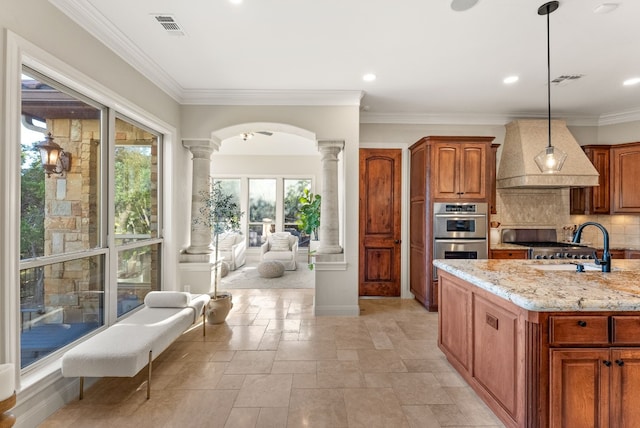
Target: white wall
[{"x": 37, "y": 31}]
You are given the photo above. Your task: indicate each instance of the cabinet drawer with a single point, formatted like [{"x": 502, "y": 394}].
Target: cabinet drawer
[
  {"x": 577, "y": 330},
  {"x": 509, "y": 254},
  {"x": 625, "y": 330}
]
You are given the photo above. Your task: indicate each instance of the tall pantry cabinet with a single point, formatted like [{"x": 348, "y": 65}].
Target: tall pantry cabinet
[{"x": 442, "y": 169}]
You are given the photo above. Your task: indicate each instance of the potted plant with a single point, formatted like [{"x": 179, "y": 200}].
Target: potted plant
[
  {"x": 309, "y": 213},
  {"x": 221, "y": 213}
]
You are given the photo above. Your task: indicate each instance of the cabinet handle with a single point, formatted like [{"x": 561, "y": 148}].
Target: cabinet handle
[
  {"x": 607, "y": 363},
  {"x": 582, "y": 323},
  {"x": 620, "y": 363}
]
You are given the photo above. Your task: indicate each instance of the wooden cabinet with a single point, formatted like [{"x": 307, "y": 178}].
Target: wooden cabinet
[
  {"x": 625, "y": 192},
  {"x": 542, "y": 369},
  {"x": 595, "y": 385},
  {"x": 596, "y": 199},
  {"x": 509, "y": 254},
  {"x": 461, "y": 170},
  {"x": 442, "y": 168},
  {"x": 632, "y": 254}
]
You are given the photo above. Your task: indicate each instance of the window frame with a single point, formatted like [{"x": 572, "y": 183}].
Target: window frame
[{"x": 18, "y": 53}]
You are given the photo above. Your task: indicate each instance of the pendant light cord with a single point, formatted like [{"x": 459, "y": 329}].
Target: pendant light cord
[{"x": 548, "y": 77}]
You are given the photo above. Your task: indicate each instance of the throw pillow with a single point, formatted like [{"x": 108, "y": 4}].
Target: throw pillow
[
  {"x": 279, "y": 243},
  {"x": 167, "y": 299}
]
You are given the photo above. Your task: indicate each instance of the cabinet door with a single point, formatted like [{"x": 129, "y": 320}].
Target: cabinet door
[
  {"x": 598, "y": 196},
  {"x": 454, "y": 320},
  {"x": 577, "y": 200},
  {"x": 625, "y": 387},
  {"x": 473, "y": 171},
  {"x": 446, "y": 183},
  {"x": 496, "y": 357},
  {"x": 625, "y": 164},
  {"x": 579, "y": 388},
  {"x": 493, "y": 209}
]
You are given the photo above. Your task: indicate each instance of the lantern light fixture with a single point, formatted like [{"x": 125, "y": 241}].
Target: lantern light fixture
[{"x": 54, "y": 159}]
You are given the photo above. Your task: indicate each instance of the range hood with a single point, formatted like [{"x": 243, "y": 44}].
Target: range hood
[{"x": 524, "y": 140}]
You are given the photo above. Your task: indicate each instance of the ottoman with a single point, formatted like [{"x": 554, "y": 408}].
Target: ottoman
[{"x": 270, "y": 269}]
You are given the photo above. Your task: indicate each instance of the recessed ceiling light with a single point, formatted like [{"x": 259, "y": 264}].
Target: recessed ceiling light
[
  {"x": 462, "y": 5},
  {"x": 369, "y": 77},
  {"x": 632, "y": 81},
  {"x": 235, "y": 1},
  {"x": 605, "y": 8},
  {"x": 510, "y": 79}
]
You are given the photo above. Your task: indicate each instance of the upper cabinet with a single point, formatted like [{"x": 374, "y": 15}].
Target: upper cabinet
[
  {"x": 594, "y": 200},
  {"x": 625, "y": 165},
  {"x": 460, "y": 167}
]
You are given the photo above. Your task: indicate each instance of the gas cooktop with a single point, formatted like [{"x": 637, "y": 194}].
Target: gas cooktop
[{"x": 542, "y": 244}]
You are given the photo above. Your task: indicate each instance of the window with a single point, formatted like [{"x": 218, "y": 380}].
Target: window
[
  {"x": 62, "y": 253},
  {"x": 293, "y": 188},
  {"x": 86, "y": 225},
  {"x": 262, "y": 209},
  {"x": 136, "y": 213}
]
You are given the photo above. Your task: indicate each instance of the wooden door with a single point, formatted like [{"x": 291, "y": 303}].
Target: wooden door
[
  {"x": 380, "y": 217},
  {"x": 625, "y": 387},
  {"x": 579, "y": 388}
]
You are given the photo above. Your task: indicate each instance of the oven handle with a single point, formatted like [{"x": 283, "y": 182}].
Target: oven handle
[
  {"x": 458, "y": 215},
  {"x": 460, "y": 241}
]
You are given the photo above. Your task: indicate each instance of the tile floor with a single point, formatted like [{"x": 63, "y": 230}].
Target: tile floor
[{"x": 274, "y": 364}]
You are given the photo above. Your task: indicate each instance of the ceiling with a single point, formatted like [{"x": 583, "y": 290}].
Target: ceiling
[{"x": 433, "y": 64}]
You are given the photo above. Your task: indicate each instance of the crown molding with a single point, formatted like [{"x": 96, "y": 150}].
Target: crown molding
[
  {"x": 619, "y": 117},
  {"x": 91, "y": 20},
  {"x": 271, "y": 97}
]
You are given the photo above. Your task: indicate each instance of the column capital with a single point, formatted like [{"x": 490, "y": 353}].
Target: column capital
[
  {"x": 334, "y": 146},
  {"x": 201, "y": 148}
]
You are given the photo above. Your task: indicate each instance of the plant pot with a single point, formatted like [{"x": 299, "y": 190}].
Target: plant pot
[{"x": 218, "y": 308}]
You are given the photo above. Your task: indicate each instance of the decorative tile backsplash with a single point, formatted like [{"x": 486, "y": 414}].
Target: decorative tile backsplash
[{"x": 549, "y": 208}]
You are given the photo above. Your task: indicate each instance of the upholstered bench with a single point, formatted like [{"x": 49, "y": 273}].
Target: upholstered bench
[
  {"x": 126, "y": 347},
  {"x": 271, "y": 269}
]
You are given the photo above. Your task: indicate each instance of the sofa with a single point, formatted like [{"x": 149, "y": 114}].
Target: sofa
[
  {"x": 282, "y": 247},
  {"x": 232, "y": 246}
]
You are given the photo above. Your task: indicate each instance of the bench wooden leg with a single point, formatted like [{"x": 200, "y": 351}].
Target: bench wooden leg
[
  {"x": 81, "y": 388},
  {"x": 149, "y": 376}
]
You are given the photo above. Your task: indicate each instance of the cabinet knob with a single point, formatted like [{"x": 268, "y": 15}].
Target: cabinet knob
[
  {"x": 397, "y": 241},
  {"x": 620, "y": 363},
  {"x": 607, "y": 363},
  {"x": 582, "y": 323}
]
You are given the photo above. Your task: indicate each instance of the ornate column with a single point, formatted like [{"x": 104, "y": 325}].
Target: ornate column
[
  {"x": 200, "y": 242},
  {"x": 329, "y": 219},
  {"x": 197, "y": 262}
]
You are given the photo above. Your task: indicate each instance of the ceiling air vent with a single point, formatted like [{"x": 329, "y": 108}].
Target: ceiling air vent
[
  {"x": 566, "y": 79},
  {"x": 169, "y": 24}
]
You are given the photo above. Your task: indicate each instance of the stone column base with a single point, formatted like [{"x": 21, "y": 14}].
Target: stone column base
[{"x": 198, "y": 272}]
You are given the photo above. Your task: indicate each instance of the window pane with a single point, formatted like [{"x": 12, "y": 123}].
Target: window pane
[
  {"x": 138, "y": 274},
  {"x": 230, "y": 186},
  {"x": 59, "y": 211},
  {"x": 59, "y": 303},
  {"x": 136, "y": 183},
  {"x": 262, "y": 200},
  {"x": 293, "y": 189}
]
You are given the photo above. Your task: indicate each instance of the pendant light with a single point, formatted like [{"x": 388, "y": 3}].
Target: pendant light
[{"x": 551, "y": 159}]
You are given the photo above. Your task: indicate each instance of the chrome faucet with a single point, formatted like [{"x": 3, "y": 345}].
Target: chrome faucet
[{"x": 606, "y": 256}]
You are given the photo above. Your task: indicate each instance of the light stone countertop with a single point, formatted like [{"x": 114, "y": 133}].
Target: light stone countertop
[
  {"x": 531, "y": 288},
  {"x": 503, "y": 246}
]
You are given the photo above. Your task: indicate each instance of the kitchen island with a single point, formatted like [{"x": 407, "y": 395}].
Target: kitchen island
[{"x": 542, "y": 344}]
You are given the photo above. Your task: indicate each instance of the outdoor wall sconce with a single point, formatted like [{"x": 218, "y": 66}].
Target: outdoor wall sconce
[{"x": 54, "y": 159}]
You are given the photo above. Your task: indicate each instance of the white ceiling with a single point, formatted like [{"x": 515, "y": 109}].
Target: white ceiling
[{"x": 433, "y": 64}]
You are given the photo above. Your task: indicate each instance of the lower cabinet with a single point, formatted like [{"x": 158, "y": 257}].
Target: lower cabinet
[
  {"x": 542, "y": 369},
  {"x": 595, "y": 387}
]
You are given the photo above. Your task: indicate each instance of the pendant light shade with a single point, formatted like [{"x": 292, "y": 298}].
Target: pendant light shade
[{"x": 551, "y": 159}]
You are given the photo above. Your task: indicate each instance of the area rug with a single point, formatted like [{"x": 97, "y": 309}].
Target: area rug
[{"x": 247, "y": 277}]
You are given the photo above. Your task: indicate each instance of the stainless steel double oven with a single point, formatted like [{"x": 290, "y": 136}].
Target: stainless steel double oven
[{"x": 459, "y": 231}]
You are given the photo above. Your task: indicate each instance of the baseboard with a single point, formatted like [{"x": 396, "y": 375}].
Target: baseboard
[{"x": 337, "y": 310}]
